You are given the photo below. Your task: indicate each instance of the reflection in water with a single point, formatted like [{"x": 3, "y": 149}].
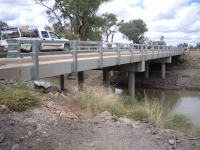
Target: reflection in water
[{"x": 178, "y": 101}]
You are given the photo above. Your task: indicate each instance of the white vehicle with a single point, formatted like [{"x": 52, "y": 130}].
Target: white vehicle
[{"x": 25, "y": 34}]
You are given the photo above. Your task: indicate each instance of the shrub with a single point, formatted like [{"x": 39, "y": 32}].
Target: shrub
[
  {"x": 183, "y": 60},
  {"x": 17, "y": 99}
]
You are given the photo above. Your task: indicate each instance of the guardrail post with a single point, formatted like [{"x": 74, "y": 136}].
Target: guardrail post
[
  {"x": 146, "y": 52},
  {"x": 35, "y": 67},
  {"x": 18, "y": 48},
  {"x": 152, "y": 55},
  {"x": 100, "y": 55},
  {"x": 131, "y": 58},
  {"x": 141, "y": 50},
  {"x": 118, "y": 53},
  {"x": 74, "y": 54}
]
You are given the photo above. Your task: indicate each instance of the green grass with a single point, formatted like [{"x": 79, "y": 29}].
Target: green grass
[
  {"x": 96, "y": 99},
  {"x": 178, "y": 121},
  {"x": 17, "y": 99},
  {"x": 185, "y": 75},
  {"x": 183, "y": 61}
]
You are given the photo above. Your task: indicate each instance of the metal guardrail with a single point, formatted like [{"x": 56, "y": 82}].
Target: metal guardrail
[{"x": 87, "y": 47}]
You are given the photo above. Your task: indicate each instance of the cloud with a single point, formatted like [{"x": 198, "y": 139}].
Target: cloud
[{"x": 177, "y": 20}]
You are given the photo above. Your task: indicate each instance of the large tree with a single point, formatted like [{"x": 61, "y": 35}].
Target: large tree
[
  {"x": 2, "y": 26},
  {"x": 75, "y": 12},
  {"x": 134, "y": 30}
]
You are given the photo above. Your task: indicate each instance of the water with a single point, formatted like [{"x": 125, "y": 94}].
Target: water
[{"x": 176, "y": 101}]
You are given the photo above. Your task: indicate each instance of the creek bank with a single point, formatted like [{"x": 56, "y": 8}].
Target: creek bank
[{"x": 178, "y": 76}]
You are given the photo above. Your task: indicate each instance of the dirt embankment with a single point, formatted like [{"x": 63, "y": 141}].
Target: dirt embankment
[{"x": 178, "y": 76}]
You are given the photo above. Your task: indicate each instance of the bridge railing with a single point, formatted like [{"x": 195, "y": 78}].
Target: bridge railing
[{"x": 87, "y": 47}]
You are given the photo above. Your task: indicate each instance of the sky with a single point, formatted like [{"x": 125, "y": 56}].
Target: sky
[{"x": 177, "y": 20}]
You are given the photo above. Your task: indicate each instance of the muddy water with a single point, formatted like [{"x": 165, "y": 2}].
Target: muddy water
[{"x": 176, "y": 101}]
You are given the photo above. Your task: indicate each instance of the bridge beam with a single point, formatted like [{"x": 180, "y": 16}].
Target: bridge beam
[
  {"x": 80, "y": 79},
  {"x": 163, "y": 60}
]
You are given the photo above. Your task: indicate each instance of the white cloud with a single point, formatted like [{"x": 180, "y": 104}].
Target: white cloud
[{"x": 177, "y": 20}]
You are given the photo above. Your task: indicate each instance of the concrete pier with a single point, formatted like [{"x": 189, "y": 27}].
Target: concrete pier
[
  {"x": 131, "y": 83},
  {"x": 80, "y": 79},
  {"x": 163, "y": 70},
  {"x": 146, "y": 69},
  {"x": 61, "y": 82},
  {"x": 107, "y": 72}
]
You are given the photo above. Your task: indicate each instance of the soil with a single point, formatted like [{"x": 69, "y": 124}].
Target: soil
[{"x": 60, "y": 125}]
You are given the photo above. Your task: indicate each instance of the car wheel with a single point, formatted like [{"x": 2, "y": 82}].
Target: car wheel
[{"x": 66, "y": 47}]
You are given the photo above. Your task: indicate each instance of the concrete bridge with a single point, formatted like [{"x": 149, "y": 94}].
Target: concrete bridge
[{"x": 84, "y": 55}]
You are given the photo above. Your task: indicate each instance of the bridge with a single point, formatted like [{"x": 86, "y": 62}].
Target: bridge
[{"x": 84, "y": 55}]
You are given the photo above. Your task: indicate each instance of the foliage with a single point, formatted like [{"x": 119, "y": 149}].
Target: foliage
[
  {"x": 17, "y": 99},
  {"x": 178, "y": 121},
  {"x": 110, "y": 25},
  {"x": 74, "y": 14},
  {"x": 183, "y": 60},
  {"x": 134, "y": 30}
]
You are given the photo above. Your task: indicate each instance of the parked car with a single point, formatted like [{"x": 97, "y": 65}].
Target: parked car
[{"x": 25, "y": 34}]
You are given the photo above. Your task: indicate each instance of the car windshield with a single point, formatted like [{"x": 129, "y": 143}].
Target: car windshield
[{"x": 9, "y": 34}]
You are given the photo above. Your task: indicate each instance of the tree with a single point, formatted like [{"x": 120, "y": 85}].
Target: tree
[
  {"x": 3, "y": 25},
  {"x": 110, "y": 20},
  {"x": 76, "y": 12},
  {"x": 184, "y": 45},
  {"x": 134, "y": 30}
]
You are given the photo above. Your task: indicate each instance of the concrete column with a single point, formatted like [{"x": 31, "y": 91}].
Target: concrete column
[
  {"x": 131, "y": 83},
  {"x": 111, "y": 73},
  {"x": 163, "y": 70},
  {"x": 146, "y": 69},
  {"x": 107, "y": 78},
  {"x": 104, "y": 75},
  {"x": 62, "y": 82},
  {"x": 80, "y": 79}
]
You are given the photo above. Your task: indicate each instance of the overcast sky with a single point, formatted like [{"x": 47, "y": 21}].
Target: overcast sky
[{"x": 177, "y": 20}]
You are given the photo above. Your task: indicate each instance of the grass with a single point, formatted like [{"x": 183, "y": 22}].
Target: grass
[
  {"x": 185, "y": 75},
  {"x": 96, "y": 99},
  {"x": 17, "y": 98},
  {"x": 183, "y": 61}
]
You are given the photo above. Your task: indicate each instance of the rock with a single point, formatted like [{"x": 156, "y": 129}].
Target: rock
[
  {"x": 145, "y": 120},
  {"x": 52, "y": 89},
  {"x": 2, "y": 136},
  {"x": 15, "y": 147},
  {"x": 171, "y": 142},
  {"x": 92, "y": 144},
  {"x": 105, "y": 115},
  {"x": 115, "y": 118}
]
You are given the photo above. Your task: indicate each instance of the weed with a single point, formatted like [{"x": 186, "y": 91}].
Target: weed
[
  {"x": 178, "y": 121},
  {"x": 183, "y": 61},
  {"x": 17, "y": 99},
  {"x": 185, "y": 75}
]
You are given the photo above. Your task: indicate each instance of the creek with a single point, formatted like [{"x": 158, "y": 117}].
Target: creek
[{"x": 175, "y": 101}]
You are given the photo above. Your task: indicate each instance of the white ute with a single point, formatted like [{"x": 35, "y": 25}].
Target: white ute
[{"x": 25, "y": 34}]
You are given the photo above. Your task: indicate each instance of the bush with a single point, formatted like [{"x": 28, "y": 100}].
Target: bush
[
  {"x": 183, "y": 61},
  {"x": 17, "y": 99}
]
